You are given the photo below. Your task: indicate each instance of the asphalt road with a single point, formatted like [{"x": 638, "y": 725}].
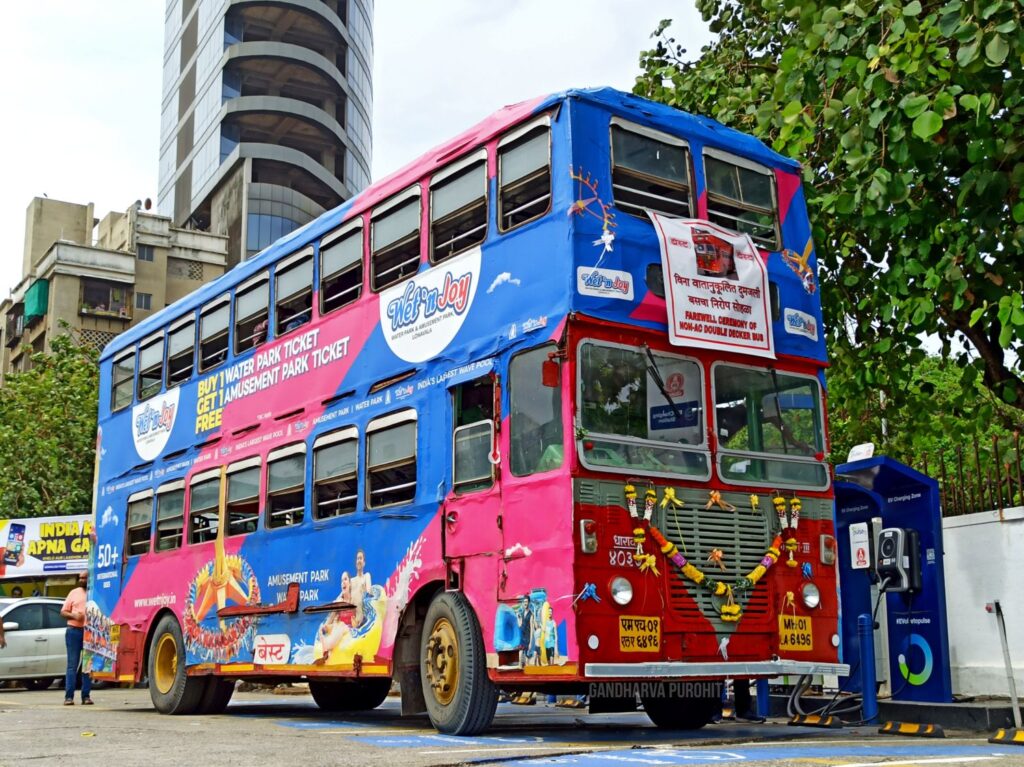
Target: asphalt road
[{"x": 267, "y": 729}]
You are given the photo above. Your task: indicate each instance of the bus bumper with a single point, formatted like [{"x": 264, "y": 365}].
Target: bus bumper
[{"x": 679, "y": 670}]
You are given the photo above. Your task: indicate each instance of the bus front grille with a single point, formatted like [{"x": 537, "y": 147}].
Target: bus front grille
[{"x": 743, "y": 536}]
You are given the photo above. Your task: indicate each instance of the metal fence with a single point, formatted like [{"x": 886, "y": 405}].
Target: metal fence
[{"x": 979, "y": 477}]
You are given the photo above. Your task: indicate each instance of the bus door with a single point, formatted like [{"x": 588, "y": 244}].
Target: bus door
[{"x": 472, "y": 512}]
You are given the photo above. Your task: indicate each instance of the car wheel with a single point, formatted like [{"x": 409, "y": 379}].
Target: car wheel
[{"x": 38, "y": 684}]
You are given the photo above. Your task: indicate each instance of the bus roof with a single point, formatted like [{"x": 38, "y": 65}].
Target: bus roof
[{"x": 650, "y": 113}]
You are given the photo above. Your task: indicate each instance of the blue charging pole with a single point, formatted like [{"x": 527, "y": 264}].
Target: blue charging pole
[
  {"x": 764, "y": 701},
  {"x": 869, "y": 691}
]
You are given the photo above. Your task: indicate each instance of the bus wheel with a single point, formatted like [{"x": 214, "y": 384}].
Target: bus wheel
[
  {"x": 361, "y": 695},
  {"x": 677, "y": 712},
  {"x": 170, "y": 688},
  {"x": 461, "y": 699},
  {"x": 216, "y": 695}
]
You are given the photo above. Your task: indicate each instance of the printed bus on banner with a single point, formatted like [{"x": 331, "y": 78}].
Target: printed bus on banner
[{"x": 530, "y": 411}]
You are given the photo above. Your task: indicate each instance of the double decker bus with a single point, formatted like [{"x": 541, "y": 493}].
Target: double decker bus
[{"x": 486, "y": 425}]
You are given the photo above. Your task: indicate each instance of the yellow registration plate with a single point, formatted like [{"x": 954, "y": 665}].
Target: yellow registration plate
[
  {"x": 639, "y": 634},
  {"x": 795, "y": 634},
  {"x": 115, "y": 633}
]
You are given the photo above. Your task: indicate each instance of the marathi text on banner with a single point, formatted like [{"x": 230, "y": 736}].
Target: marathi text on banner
[{"x": 716, "y": 287}]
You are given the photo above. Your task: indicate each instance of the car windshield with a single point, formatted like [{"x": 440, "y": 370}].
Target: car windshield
[
  {"x": 640, "y": 410},
  {"x": 762, "y": 411}
]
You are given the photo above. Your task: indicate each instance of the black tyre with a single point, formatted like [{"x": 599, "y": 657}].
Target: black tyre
[
  {"x": 37, "y": 684},
  {"x": 216, "y": 695},
  {"x": 170, "y": 688},
  {"x": 461, "y": 699},
  {"x": 675, "y": 712},
  {"x": 361, "y": 695}
]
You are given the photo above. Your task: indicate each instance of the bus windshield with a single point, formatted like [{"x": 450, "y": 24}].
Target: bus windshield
[
  {"x": 641, "y": 410},
  {"x": 762, "y": 412}
]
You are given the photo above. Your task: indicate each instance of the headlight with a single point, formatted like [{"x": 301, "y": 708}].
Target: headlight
[
  {"x": 811, "y": 595},
  {"x": 622, "y": 590}
]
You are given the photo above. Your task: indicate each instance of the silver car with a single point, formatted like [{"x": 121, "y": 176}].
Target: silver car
[{"x": 35, "y": 652}]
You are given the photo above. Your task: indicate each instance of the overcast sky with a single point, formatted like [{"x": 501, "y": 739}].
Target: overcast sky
[{"x": 81, "y": 86}]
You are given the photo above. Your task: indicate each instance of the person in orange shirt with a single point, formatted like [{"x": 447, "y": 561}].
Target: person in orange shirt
[{"x": 74, "y": 611}]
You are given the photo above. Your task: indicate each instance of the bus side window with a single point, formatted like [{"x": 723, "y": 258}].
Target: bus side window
[
  {"x": 341, "y": 270},
  {"x": 395, "y": 243},
  {"x": 151, "y": 366},
  {"x": 473, "y": 437},
  {"x": 181, "y": 341},
  {"x": 458, "y": 211},
  {"x": 122, "y": 381},
  {"x": 335, "y": 473},
  {"x": 243, "y": 500},
  {"x": 139, "y": 523},
  {"x": 741, "y": 197},
  {"x": 293, "y": 294},
  {"x": 536, "y": 420},
  {"x": 650, "y": 171},
  {"x": 213, "y": 334},
  {"x": 286, "y": 486},
  {"x": 252, "y": 310},
  {"x": 524, "y": 178},
  {"x": 203, "y": 507},
  {"x": 391, "y": 459},
  {"x": 170, "y": 516}
]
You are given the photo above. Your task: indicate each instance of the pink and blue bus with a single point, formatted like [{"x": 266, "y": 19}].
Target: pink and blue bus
[{"x": 491, "y": 424}]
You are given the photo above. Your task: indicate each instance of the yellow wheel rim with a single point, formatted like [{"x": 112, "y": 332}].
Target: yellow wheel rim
[
  {"x": 165, "y": 669},
  {"x": 443, "y": 661}
]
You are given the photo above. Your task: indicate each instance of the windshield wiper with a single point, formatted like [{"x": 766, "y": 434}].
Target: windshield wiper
[
  {"x": 655, "y": 373},
  {"x": 783, "y": 427}
]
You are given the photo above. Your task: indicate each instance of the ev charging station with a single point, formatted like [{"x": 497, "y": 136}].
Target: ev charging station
[{"x": 888, "y": 525}]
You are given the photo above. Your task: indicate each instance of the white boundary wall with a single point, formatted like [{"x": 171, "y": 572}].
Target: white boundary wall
[{"x": 984, "y": 561}]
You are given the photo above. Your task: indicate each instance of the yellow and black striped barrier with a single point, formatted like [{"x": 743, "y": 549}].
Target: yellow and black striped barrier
[
  {"x": 1008, "y": 737},
  {"x": 813, "y": 720},
  {"x": 913, "y": 730}
]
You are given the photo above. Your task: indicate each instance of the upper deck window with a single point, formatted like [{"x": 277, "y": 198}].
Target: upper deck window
[
  {"x": 741, "y": 196},
  {"x": 293, "y": 290},
  {"x": 181, "y": 341},
  {"x": 286, "y": 486},
  {"x": 243, "y": 501},
  {"x": 252, "y": 308},
  {"x": 458, "y": 211},
  {"x": 151, "y": 366},
  {"x": 650, "y": 171},
  {"x": 335, "y": 480},
  {"x": 391, "y": 459},
  {"x": 204, "y": 507},
  {"x": 341, "y": 269},
  {"x": 122, "y": 381},
  {"x": 395, "y": 244},
  {"x": 213, "y": 334},
  {"x": 524, "y": 177}
]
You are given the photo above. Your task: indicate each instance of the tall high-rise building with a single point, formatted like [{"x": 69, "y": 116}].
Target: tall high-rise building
[{"x": 266, "y": 114}]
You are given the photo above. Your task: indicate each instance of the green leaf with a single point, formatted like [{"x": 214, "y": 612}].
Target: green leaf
[
  {"x": 967, "y": 53},
  {"x": 927, "y": 124},
  {"x": 912, "y": 8},
  {"x": 997, "y": 49},
  {"x": 969, "y": 101},
  {"x": 915, "y": 105}
]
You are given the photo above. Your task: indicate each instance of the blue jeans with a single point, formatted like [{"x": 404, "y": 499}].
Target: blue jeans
[{"x": 73, "y": 641}]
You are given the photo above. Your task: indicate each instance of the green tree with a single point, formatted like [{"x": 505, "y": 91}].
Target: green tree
[
  {"x": 48, "y": 433},
  {"x": 908, "y": 118}
]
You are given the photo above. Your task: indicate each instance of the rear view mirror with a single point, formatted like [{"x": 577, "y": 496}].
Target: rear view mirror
[
  {"x": 550, "y": 374},
  {"x": 11, "y": 626}
]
